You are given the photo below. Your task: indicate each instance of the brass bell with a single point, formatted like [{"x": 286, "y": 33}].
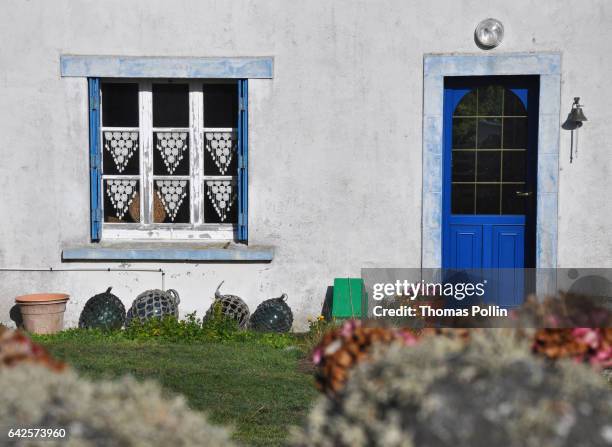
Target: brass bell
[{"x": 577, "y": 115}]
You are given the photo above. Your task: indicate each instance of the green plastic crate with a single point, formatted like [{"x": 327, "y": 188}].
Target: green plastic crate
[{"x": 347, "y": 300}]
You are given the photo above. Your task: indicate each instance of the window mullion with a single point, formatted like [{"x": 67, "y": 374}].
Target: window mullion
[
  {"x": 146, "y": 162},
  {"x": 196, "y": 146}
]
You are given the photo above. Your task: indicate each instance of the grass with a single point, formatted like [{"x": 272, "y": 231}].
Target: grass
[{"x": 255, "y": 388}]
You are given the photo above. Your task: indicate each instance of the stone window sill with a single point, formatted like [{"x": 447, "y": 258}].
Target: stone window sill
[{"x": 171, "y": 252}]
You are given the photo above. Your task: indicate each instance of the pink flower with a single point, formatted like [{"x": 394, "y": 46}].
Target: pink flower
[
  {"x": 603, "y": 358},
  {"x": 587, "y": 335},
  {"x": 317, "y": 356},
  {"x": 348, "y": 328},
  {"x": 408, "y": 338}
]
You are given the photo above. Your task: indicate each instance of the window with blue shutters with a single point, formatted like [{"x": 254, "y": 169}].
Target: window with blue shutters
[{"x": 168, "y": 159}]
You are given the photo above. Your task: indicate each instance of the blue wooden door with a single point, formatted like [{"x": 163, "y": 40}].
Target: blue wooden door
[{"x": 489, "y": 175}]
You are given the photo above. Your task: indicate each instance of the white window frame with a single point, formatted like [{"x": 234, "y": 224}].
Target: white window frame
[{"x": 146, "y": 229}]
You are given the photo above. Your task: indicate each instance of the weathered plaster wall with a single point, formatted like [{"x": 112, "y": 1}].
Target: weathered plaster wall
[{"x": 335, "y": 137}]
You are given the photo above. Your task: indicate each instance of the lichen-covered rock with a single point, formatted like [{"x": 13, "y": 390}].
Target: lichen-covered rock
[
  {"x": 124, "y": 412},
  {"x": 490, "y": 391}
]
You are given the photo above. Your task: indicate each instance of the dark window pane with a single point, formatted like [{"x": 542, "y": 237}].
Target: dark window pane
[
  {"x": 489, "y": 165},
  {"x": 464, "y": 133},
  {"x": 490, "y": 100},
  {"x": 220, "y": 201},
  {"x": 513, "y": 106},
  {"x": 515, "y": 168},
  {"x": 121, "y": 200},
  {"x": 487, "y": 199},
  {"x": 120, "y": 154},
  {"x": 171, "y": 153},
  {"x": 489, "y": 133},
  {"x": 467, "y": 105},
  {"x": 174, "y": 198},
  {"x": 515, "y": 133},
  {"x": 220, "y": 156},
  {"x": 511, "y": 203},
  {"x": 220, "y": 105},
  {"x": 119, "y": 105},
  {"x": 463, "y": 166},
  {"x": 462, "y": 201},
  {"x": 170, "y": 105}
]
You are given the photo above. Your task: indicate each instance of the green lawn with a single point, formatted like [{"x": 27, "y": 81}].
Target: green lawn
[{"x": 256, "y": 389}]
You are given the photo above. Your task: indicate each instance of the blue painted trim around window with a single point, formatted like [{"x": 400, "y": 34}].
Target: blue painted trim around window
[
  {"x": 95, "y": 157},
  {"x": 436, "y": 67},
  {"x": 167, "y": 67},
  {"x": 243, "y": 160},
  {"x": 169, "y": 254}
]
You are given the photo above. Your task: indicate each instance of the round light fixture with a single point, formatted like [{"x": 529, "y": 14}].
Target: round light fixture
[{"x": 489, "y": 33}]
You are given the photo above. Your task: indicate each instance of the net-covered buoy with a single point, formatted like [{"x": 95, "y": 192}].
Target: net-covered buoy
[
  {"x": 273, "y": 315},
  {"x": 154, "y": 304},
  {"x": 232, "y": 307},
  {"x": 103, "y": 311}
]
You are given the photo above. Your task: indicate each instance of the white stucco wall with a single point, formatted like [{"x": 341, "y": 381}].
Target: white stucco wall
[{"x": 335, "y": 138}]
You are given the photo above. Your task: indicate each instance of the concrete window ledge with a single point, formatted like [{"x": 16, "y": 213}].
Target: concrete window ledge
[{"x": 169, "y": 253}]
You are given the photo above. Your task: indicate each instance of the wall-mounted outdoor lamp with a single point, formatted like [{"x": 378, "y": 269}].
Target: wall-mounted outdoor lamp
[
  {"x": 573, "y": 122},
  {"x": 489, "y": 33}
]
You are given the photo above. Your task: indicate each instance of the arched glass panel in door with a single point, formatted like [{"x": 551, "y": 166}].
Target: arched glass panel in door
[{"x": 489, "y": 153}]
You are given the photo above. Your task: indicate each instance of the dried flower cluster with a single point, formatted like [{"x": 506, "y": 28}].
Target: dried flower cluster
[
  {"x": 445, "y": 392},
  {"x": 564, "y": 311},
  {"x": 123, "y": 412},
  {"x": 16, "y": 348},
  {"x": 342, "y": 348},
  {"x": 591, "y": 345}
]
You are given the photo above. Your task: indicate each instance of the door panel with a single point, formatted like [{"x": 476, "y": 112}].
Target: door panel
[
  {"x": 508, "y": 245},
  {"x": 466, "y": 247},
  {"x": 490, "y": 164}
]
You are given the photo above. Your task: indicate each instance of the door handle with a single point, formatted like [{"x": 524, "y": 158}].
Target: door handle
[{"x": 523, "y": 193}]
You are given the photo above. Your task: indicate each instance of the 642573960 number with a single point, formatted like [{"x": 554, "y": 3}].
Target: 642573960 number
[{"x": 39, "y": 433}]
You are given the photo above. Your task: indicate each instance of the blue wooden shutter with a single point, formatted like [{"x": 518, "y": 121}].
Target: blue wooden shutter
[
  {"x": 243, "y": 170},
  {"x": 95, "y": 158}
]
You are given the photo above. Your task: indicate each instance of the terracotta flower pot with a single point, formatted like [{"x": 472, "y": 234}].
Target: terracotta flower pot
[{"x": 43, "y": 313}]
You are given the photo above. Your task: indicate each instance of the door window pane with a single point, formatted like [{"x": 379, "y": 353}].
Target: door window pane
[
  {"x": 488, "y": 166},
  {"x": 462, "y": 198},
  {"x": 513, "y": 106},
  {"x": 515, "y": 133},
  {"x": 490, "y": 100},
  {"x": 467, "y": 106},
  {"x": 487, "y": 199},
  {"x": 463, "y": 166},
  {"x": 464, "y": 133},
  {"x": 515, "y": 167},
  {"x": 489, "y": 133},
  {"x": 511, "y": 202}
]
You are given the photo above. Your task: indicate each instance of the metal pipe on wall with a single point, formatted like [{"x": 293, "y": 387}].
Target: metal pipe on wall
[{"x": 87, "y": 269}]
